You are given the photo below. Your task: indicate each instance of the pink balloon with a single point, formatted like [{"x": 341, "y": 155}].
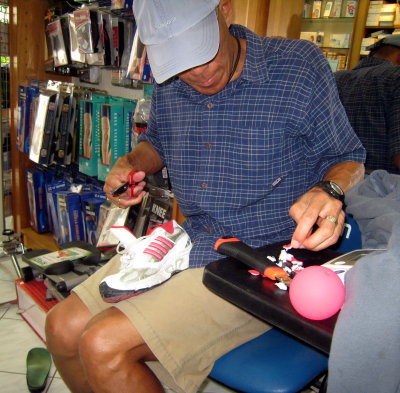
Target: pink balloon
[{"x": 316, "y": 292}]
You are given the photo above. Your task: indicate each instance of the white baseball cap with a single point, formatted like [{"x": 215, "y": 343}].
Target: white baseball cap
[{"x": 178, "y": 34}]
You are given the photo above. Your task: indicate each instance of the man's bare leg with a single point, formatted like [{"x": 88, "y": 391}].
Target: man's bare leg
[
  {"x": 65, "y": 324},
  {"x": 101, "y": 354},
  {"x": 113, "y": 354}
]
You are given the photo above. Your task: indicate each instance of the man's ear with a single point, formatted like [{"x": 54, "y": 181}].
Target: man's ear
[{"x": 226, "y": 10}]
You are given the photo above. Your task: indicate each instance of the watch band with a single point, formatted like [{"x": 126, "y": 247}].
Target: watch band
[{"x": 332, "y": 189}]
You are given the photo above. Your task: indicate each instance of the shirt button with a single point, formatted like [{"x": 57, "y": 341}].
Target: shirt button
[
  {"x": 204, "y": 185},
  {"x": 210, "y": 105},
  {"x": 208, "y": 145},
  {"x": 209, "y": 229}
]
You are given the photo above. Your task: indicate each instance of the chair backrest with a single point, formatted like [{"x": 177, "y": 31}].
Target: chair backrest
[{"x": 351, "y": 236}]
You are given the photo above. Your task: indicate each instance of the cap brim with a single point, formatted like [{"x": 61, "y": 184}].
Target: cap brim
[
  {"x": 374, "y": 46},
  {"x": 390, "y": 40},
  {"x": 193, "y": 47}
]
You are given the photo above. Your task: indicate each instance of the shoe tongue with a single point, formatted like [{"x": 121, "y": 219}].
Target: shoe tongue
[{"x": 167, "y": 226}]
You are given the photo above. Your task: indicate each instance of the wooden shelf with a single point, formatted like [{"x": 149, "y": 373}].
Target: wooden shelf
[
  {"x": 333, "y": 47},
  {"x": 328, "y": 19},
  {"x": 383, "y": 27}
]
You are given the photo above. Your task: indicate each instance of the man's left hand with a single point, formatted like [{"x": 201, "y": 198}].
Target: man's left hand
[{"x": 317, "y": 209}]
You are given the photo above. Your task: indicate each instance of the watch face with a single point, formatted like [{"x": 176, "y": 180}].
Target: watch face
[{"x": 336, "y": 188}]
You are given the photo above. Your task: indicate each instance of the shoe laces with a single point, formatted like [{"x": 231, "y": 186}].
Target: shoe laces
[
  {"x": 154, "y": 252},
  {"x": 127, "y": 253}
]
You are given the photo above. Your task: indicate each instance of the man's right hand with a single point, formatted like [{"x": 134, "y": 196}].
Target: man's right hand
[{"x": 117, "y": 176}]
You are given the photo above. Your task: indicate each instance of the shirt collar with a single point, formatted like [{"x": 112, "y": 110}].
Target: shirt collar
[{"x": 255, "y": 68}]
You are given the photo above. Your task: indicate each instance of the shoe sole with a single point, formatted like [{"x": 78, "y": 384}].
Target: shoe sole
[{"x": 112, "y": 295}]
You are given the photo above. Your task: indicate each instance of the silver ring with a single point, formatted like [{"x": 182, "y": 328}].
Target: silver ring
[{"x": 331, "y": 219}]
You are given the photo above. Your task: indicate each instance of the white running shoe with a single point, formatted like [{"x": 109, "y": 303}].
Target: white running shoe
[{"x": 147, "y": 261}]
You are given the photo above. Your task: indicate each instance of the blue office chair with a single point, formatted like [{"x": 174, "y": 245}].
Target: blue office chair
[
  {"x": 271, "y": 363},
  {"x": 351, "y": 236},
  {"x": 275, "y": 362}
]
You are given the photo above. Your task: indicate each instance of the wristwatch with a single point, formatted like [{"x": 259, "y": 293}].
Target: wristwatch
[{"x": 332, "y": 189}]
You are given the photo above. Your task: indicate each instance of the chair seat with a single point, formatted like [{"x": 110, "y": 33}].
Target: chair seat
[{"x": 271, "y": 363}]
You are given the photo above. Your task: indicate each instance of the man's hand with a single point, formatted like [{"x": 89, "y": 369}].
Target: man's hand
[
  {"x": 146, "y": 160},
  {"x": 117, "y": 176},
  {"x": 316, "y": 208}
]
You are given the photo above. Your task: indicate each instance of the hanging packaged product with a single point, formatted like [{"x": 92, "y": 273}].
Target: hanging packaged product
[
  {"x": 89, "y": 133},
  {"x": 140, "y": 118},
  {"x": 38, "y": 217},
  {"x": 113, "y": 143},
  {"x": 65, "y": 129},
  {"x": 26, "y": 95},
  {"x": 42, "y": 149},
  {"x": 86, "y": 29},
  {"x": 57, "y": 42}
]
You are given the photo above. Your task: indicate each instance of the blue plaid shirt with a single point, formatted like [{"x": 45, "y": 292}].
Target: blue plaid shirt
[
  {"x": 370, "y": 93},
  {"x": 238, "y": 160}
]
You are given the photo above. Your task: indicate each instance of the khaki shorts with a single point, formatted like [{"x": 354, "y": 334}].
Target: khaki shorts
[{"x": 185, "y": 325}]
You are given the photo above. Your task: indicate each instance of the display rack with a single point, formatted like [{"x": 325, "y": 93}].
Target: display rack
[
  {"x": 329, "y": 26},
  {"x": 375, "y": 27},
  {"x": 26, "y": 32}
]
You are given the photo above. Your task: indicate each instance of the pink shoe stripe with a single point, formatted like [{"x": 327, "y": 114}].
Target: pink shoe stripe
[
  {"x": 160, "y": 247},
  {"x": 165, "y": 241},
  {"x": 153, "y": 253}
]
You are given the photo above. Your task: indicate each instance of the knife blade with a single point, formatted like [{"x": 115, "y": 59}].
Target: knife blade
[{"x": 235, "y": 248}]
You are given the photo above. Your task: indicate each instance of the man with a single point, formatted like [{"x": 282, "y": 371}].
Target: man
[
  {"x": 247, "y": 126},
  {"x": 370, "y": 94}
]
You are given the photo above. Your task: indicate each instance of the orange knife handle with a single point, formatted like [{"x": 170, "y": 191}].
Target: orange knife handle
[{"x": 273, "y": 272}]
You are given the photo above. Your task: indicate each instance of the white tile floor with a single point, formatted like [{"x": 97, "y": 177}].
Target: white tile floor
[{"x": 17, "y": 338}]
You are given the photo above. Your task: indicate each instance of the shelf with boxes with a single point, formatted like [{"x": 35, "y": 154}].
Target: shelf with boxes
[
  {"x": 81, "y": 40},
  {"x": 328, "y": 33},
  {"x": 68, "y": 135},
  {"x": 75, "y": 135},
  {"x": 383, "y": 18},
  {"x": 330, "y": 25}
]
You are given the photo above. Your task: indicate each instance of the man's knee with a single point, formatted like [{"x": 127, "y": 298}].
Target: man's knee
[
  {"x": 65, "y": 323},
  {"x": 96, "y": 346},
  {"x": 111, "y": 338}
]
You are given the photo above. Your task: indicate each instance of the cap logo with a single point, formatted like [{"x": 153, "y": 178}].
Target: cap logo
[{"x": 166, "y": 23}]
